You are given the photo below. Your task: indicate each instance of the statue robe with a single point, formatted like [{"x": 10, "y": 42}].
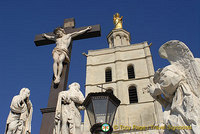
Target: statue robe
[
  {"x": 183, "y": 109},
  {"x": 67, "y": 112},
  {"x": 20, "y": 116}
]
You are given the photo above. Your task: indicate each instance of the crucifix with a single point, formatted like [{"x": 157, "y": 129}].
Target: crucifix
[{"x": 63, "y": 38}]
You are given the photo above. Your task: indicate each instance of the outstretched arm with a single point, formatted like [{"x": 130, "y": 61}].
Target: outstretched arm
[
  {"x": 80, "y": 32},
  {"x": 48, "y": 37}
]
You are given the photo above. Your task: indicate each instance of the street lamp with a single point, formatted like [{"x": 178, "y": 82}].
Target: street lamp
[{"x": 101, "y": 108}]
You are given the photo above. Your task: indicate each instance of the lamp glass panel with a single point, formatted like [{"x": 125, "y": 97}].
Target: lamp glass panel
[
  {"x": 111, "y": 112},
  {"x": 90, "y": 113},
  {"x": 100, "y": 109}
]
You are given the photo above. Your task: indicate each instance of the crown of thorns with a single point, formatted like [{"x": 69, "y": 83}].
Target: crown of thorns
[{"x": 58, "y": 29}]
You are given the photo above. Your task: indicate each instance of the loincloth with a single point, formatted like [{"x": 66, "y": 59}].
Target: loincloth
[{"x": 60, "y": 51}]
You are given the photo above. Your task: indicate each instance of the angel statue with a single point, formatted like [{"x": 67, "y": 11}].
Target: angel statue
[
  {"x": 117, "y": 21},
  {"x": 20, "y": 116},
  {"x": 67, "y": 116},
  {"x": 177, "y": 88}
]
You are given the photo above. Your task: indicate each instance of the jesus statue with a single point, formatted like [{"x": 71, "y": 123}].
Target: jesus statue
[{"x": 60, "y": 52}]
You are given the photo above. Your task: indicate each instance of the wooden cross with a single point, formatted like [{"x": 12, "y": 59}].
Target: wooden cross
[{"x": 49, "y": 112}]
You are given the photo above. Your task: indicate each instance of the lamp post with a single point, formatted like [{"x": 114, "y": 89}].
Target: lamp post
[{"x": 101, "y": 108}]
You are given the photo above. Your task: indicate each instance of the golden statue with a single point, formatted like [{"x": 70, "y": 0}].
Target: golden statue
[{"x": 117, "y": 21}]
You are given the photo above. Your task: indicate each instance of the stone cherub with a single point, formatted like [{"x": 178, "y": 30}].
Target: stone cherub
[
  {"x": 67, "y": 116},
  {"x": 20, "y": 116},
  {"x": 60, "y": 52},
  {"x": 177, "y": 88}
]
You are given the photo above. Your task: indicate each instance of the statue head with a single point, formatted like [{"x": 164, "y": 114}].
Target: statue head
[
  {"x": 25, "y": 93},
  {"x": 175, "y": 51},
  {"x": 74, "y": 86},
  {"x": 117, "y": 15},
  {"x": 59, "y": 31}
]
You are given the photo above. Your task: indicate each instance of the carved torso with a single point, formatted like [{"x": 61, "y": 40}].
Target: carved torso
[{"x": 64, "y": 41}]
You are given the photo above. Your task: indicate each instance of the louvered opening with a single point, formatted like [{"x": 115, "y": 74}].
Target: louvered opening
[
  {"x": 108, "y": 75},
  {"x": 131, "y": 73},
  {"x": 133, "y": 94}
]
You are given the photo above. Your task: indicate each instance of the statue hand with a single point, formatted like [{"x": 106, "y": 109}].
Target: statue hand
[
  {"x": 68, "y": 100},
  {"x": 57, "y": 121},
  {"x": 151, "y": 88},
  {"x": 154, "y": 89},
  {"x": 28, "y": 132},
  {"x": 89, "y": 28},
  {"x": 81, "y": 108},
  {"x": 44, "y": 35}
]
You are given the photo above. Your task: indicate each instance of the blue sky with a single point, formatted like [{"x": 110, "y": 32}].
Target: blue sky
[{"x": 22, "y": 64}]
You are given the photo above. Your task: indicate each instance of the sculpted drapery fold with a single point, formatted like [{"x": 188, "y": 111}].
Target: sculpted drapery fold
[
  {"x": 67, "y": 116},
  {"x": 177, "y": 88},
  {"x": 20, "y": 116}
]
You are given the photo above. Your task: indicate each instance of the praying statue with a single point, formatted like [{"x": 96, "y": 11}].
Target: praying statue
[
  {"x": 60, "y": 52},
  {"x": 67, "y": 116},
  {"x": 117, "y": 21},
  {"x": 20, "y": 116},
  {"x": 177, "y": 88}
]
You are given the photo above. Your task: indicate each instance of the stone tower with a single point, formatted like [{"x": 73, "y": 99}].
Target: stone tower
[{"x": 125, "y": 69}]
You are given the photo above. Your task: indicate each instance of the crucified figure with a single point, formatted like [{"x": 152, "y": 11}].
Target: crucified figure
[{"x": 60, "y": 52}]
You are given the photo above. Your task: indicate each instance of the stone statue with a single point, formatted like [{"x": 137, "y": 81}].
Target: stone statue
[
  {"x": 60, "y": 52},
  {"x": 117, "y": 21},
  {"x": 20, "y": 116},
  {"x": 67, "y": 116},
  {"x": 177, "y": 88}
]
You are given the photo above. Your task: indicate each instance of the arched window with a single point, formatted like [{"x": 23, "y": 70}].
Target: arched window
[
  {"x": 108, "y": 74},
  {"x": 131, "y": 72},
  {"x": 132, "y": 94}
]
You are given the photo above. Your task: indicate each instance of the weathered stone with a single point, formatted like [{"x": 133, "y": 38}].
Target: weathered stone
[
  {"x": 67, "y": 116},
  {"x": 48, "y": 113},
  {"x": 60, "y": 52},
  {"x": 118, "y": 57},
  {"x": 118, "y": 37},
  {"x": 179, "y": 83},
  {"x": 20, "y": 116}
]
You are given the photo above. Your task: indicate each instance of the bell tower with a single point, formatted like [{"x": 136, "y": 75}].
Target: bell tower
[{"x": 126, "y": 69}]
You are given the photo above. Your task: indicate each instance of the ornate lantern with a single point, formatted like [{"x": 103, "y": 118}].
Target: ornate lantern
[{"x": 101, "y": 108}]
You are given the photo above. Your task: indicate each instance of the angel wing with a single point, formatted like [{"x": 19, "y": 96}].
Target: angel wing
[{"x": 178, "y": 54}]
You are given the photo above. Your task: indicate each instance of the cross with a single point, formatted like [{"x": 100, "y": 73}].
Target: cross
[
  {"x": 106, "y": 90},
  {"x": 49, "y": 112}
]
